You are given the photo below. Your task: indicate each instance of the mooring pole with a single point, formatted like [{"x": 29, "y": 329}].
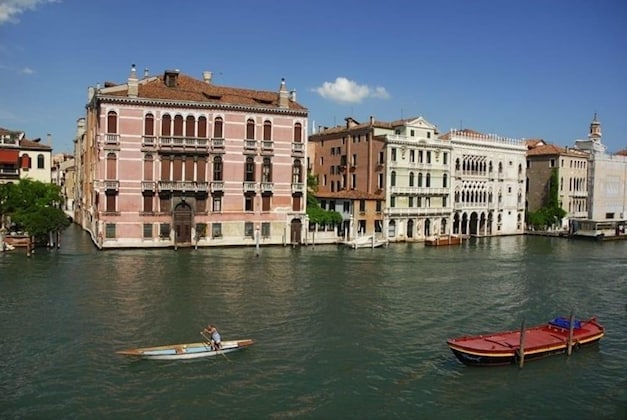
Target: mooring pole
[
  {"x": 571, "y": 326},
  {"x": 521, "y": 348}
]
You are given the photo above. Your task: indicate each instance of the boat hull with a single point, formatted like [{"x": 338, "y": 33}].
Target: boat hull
[
  {"x": 186, "y": 351},
  {"x": 542, "y": 341},
  {"x": 444, "y": 241}
]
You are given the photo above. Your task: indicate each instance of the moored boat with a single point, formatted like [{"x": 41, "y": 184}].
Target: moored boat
[
  {"x": 443, "y": 240},
  {"x": 186, "y": 351},
  {"x": 369, "y": 241},
  {"x": 504, "y": 348}
]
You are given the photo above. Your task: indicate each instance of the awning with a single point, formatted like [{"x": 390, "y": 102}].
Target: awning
[{"x": 9, "y": 156}]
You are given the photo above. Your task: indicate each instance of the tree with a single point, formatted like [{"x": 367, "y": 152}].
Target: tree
[
  {"x": 551, "y": 212},
  {"x": 33, "y": 206},
  {"x": 316, "y": 214}
]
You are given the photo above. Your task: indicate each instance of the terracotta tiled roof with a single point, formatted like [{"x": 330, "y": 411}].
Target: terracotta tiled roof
[
  {"x": 194, "y": 90},
  {"x": 531, "y": 143},
  {"x": 546, "y": 149},
  {"x": 622, "y": 152},
  {"x": 359, "y": 126},
  {"x": 351, "y": 195},
  {"x": 33, "y": 145}
]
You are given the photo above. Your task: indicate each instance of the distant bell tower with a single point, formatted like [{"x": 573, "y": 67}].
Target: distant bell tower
[{"x": 595, "y": 130}]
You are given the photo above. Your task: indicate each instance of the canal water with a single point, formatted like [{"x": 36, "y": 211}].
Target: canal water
[{"x": 350, "y": 334}]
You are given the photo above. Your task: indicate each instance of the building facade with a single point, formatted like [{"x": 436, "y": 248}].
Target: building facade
[
  {"x": 488, "y": 183},
  {"x": 172, "y": 160},
  {"x": 570, "y": 167},
  {"x": 21, "y": 158}
]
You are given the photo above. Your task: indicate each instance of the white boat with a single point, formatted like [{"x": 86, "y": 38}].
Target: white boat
[
  {"x": 186, "y": 351},
  {"x": 368, "y": 241}
]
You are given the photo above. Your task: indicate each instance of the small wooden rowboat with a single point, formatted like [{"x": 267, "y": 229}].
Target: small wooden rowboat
[
  {"x": 186, "y": 351},
  {"x": 503, "y": 348}
]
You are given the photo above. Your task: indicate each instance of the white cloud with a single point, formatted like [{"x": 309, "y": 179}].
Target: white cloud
[
  {"x": 27, "y": 70},
  {"x": 11, "y": 9},
  {"x": 348, "y": 91}
]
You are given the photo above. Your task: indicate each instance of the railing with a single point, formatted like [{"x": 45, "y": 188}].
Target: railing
[
  {"x": 419, "y": 191},
  {"x": 250, "y": 187},
  {"x": 112, "y": 138},
  {"x": 298, "y": 148},
  {"x": 195, "y": 186},
  {"x": 149, "y": 141},
  {"x": 298, "y": 187},
  {"x": 183, "y": 142},
  {"x": 217, "y": 186},
  {"x": 112, "y": 185},
  {"x": 267, "y": 145},
  {"x": 9, "y": 171},
  {"x": 148, "y": 185},
  {"x": 267, "y": 187},
  {"x": 417, "y": 211},
  {"x": 250, "y": 144},
  {"x": 217, "y": 143}
]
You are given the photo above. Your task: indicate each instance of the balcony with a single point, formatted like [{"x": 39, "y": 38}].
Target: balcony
[
  {"x": 217, "y": 186},
  {"x": 149, "y": 141},
  {"x": 250, "y": 187},
  {"x": 9, "y": 171},
  {"x": 217, "y": 144},
  {"x": 298, "y": 187},
  {"x": 267, "y": 187},
  {"x": 183, "y": 143},
  {"x": 267, "y": 145},
  {"x": 148, "y": 186},
  {"x": 113, "y": 139},
  {"x": 112, "y": 185},
  {"x": 419, "y": 191},
  {"x": 191, "y": 186},
  {"x": 250, "y": 145},
  {"x": 298, "y": 149}
]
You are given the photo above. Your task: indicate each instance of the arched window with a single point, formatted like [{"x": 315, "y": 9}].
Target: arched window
[
  {"x": 298, "y": 133},
  {"x": 444, "y": 181},
  {"x": 266, "y": 170},
  {"x": 249, "y": 169},
  {"x": 166, "y": 124},
  {"x": 149, "y": 125},
  {"x": 217, "y": 128},
  {"x": 297, "y": 172},
  {"x": 40, "y": 161},
  {"x": 428, "y": 180},
  {"x": 267, "y": 130},
  {"x": 25, "y": 161},
  {"x": 111, "y": 166},
  {"x": 420, "y": 179},
  {"x": 250, "y": 129},
  {"x": 217, "y": 168},
  {"x": 190, "y": 126},
  {"x": 411, "y": 179},
  {"x": 178, "y": 126},
  {"x": 202, "y": 127},
  {"x": 112, "y": 122},
  {"x": 393, "y": 179}
]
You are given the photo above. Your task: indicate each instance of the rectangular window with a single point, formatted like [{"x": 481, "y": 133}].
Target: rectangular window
[
  {"x": 380, "y": 182},
  {"x": 249, "y": 229},
  {"x": 248, "y": 203},
  {"x": 110, "y": 230},
  {"x": 381, "y": 158},
  {"x": 147, "y": 230},
  {"x": 362, "y": 206},
  {"x": 445, "y": 158},
  {"x": 346, "y": 206},
  {"x": 412, "y": 156},
  {"x": 265, "y": 202},
  {"x": 296, "y": 203},
  {"x": 110, "y": 203},
  {"x": 148, "y": 203},
  {"x": 379, "y": 206},
  {"x": 428, "y": 156},
  {"x": 265, "y": 230},
  {"x": 201, "y": 205},
  {"x": 393, "y": 154},
  {"x": 609, "y": 215},
  {"x": 164, "y": 230},
  {"x": 217, "y": 204},
  {"x": 164, "y": 204},
  {"x": 392, "y": 202},
  {"x": 552, "y": 163},
  {"x": 411, "y": 202},
  {"x": 216, "y": 230}
]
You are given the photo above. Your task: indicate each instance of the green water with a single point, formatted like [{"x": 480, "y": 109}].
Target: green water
[{"x": 340, "y": 333}]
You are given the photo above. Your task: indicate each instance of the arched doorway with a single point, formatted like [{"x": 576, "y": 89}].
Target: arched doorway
[
  {"x": 182, "y": 219},
  {"x": 295, "y": 231},
  {"x": 474, "y": 221},
  {"x": 410, "y": 228},
  {"x": 392, "y": 229},
  {"x": 427, "y": 228},
  {"x": 456, "y": 223}
]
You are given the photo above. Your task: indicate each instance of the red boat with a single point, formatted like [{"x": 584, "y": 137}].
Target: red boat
[{"x": 503, "y": 348}]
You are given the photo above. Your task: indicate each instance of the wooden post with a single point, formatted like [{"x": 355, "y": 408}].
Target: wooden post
[
  {"x": 571, "y": 326},
  {"x": 521, "y": 348}
]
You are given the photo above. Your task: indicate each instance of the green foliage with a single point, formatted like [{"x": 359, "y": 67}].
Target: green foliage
[
  {"x": 551, "y": 212},
  {"x": 316, "y": 214},
  {"x": 33, "y": 206}
]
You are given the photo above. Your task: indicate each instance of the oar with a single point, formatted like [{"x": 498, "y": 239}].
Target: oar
[{"x": 208, "y": 342}]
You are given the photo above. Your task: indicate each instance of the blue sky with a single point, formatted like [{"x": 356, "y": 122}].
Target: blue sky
[{"x": 522, "y": 69}]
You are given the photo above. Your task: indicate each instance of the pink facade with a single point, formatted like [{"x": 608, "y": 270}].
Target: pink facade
[{"x": 176, "y": 161}]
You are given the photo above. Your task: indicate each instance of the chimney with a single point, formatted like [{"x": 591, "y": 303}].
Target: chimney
[
  {"x": 371, "y": 120},
  {"x": 146, "y": 73},
  {"x": 283, "y": 95},
  {"x": 207, "y": 76},
  {"x": 293, "y": 95},
  {"x": 49, "y": 139},
  {"x": 132, "y": 83}
]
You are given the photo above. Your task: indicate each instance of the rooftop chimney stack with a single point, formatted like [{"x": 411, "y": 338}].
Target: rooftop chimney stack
[
  {"x": 146, "y": 72},
  {"x": 133, "y": 88},
  {"x": 207, "y": 76},
  {"x": 283, "y": 95}
]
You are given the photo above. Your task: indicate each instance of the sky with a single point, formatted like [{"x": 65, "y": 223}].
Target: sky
[{"x": 519, "y": 69}]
